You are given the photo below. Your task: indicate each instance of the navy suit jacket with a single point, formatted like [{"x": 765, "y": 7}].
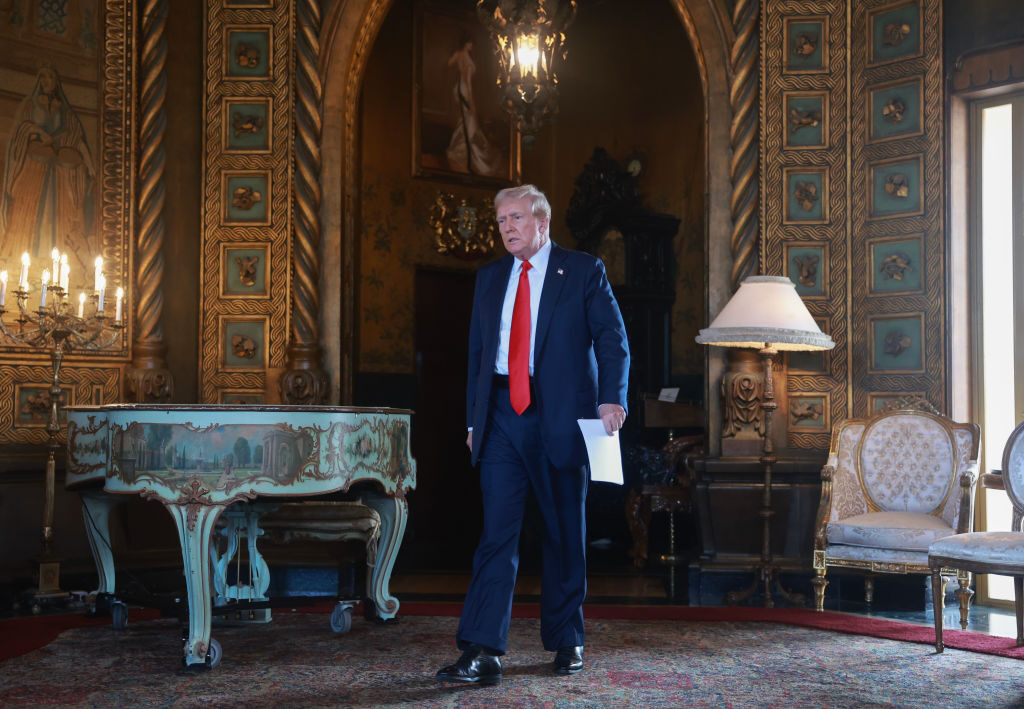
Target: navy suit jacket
[{"x": 581, "y": 355}]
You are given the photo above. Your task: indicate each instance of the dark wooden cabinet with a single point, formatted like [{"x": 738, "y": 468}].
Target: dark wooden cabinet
[{"x": 727, "y": 499}]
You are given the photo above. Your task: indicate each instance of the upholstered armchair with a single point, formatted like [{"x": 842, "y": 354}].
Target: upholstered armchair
[
  {"x": 892, "y": 485},
  {"x": 989, "y": 552}
]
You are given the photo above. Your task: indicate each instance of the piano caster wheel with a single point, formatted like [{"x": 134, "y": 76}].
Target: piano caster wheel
[
  {"x": 118, "y": 615},
  {"x": 213, "y": 654},
  {"x": 341, "y": 618}
]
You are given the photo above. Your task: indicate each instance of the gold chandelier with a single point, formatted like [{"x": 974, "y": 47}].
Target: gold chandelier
[{"x": 529, "y": 37}]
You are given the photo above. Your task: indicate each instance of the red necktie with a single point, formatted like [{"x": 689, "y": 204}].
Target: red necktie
[{"x": 519, "y": 346}]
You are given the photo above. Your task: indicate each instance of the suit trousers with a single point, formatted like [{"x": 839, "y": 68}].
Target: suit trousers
[{"x": 513, "y": 461}]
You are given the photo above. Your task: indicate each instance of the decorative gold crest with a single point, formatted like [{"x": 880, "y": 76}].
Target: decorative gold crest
[
  {"x": 803, "y": 119},
  {"x": 895, "y": 33},
  {"x": 806, "y": 194},
  {"x": 243, "y": 346},
  {"x": 805, "y": 44},
  {"x": 247, "y": 269},
  {"x": 462, "y": 229},
  {"x": 895, "y": 265},
  {"x": 896, "y": 342},
  {"x": 893, "y": 110},
  {"x": 897, "y": 185},
  {"x": 808, "y": 273},
  {"x": 805, "y": 410}
]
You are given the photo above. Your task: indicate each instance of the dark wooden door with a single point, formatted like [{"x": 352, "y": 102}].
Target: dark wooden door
[{"x": 445, "y": 515}]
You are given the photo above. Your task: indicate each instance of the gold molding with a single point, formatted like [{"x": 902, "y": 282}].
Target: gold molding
[
  {"x": 149, "y": 379},
  {"x": 83, "y": 377},
  {"x": 779, "y": 159},
  {"x": 744, "y": 139},
  {"x": 273, "y": 231},
  {"x": 304, "y": 381}
]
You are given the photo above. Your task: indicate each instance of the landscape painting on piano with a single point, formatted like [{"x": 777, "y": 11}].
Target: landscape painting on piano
[{"x": 225, "y": 456}]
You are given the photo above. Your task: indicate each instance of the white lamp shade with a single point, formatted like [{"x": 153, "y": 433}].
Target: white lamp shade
[{"x": 766, "y": 311}]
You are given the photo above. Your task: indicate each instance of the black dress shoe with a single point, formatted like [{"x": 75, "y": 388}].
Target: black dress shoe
[
  {"x": 475, "y": 665},
  {"x": 569, "y": 660}
]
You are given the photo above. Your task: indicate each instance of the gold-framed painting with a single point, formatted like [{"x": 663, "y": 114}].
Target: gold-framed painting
[
  {"x": 460, "y": 130},
  {"x": 64, "y": 150}
]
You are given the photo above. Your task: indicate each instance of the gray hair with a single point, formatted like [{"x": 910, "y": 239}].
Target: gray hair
[{"x": 539, "y": 205}]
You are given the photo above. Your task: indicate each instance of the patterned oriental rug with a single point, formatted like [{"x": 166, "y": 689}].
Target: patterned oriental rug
[{"x": 296, "y": 661}]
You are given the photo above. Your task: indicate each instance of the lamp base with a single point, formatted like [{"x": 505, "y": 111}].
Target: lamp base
[
  {"x": 766, "y": 576},
  {"x": 49, "y": 581}
]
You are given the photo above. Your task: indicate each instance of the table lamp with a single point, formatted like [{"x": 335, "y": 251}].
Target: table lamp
[{"x": 766, "y": 314}]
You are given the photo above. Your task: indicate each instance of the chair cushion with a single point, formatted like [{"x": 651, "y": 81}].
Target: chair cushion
[
  {"x": 984, "y": 547},
  {"x": 907, "y": 463},
  {"x": 845, "y": 552},
  {"x": 907, "y": 531}
]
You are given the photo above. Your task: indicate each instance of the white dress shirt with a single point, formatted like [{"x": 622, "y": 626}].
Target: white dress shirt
[{"x": 538, "y": 267}]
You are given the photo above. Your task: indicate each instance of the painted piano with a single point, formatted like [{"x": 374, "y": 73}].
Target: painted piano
[{"x": 199, "y": 460}]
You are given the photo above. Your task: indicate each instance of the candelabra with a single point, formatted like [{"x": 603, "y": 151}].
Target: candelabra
[{"x": 57, "y": 329}]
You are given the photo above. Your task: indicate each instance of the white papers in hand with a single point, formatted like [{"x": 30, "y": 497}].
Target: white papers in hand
[{"x": 603, "y": 451}]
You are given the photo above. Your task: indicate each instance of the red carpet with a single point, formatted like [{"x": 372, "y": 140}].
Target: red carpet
[{"x": 21, "y": 635}]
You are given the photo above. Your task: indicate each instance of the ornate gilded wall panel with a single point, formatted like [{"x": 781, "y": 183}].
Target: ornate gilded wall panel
[
  {"x": 24, "y": 395},
  {"x": 247, "y": 204},
  {"x": 92, "y": 204},
  {"x": 853, "y": 198},
  {"x": 805, "y": 208},
  {"x": 897, "y": 202}
]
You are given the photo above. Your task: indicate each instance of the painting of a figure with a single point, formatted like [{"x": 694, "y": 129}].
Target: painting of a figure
[
  {"x": 460, "y": 130},
  {"x": 47, "y": 198}
]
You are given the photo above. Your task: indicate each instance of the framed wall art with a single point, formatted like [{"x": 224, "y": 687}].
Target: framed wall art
[
  {"x": 896, "y": 265},
  {"x": 806, "y": 44},
  {"x": 894, "y": 32},
  {"x": 246, "y": 197},
  {"x": 247, "y": 127},
  {"x": 807, "y": 267},
  {"x": 243, "y": 342},
  {"x": 894, "y": 188},
  {"x": 461, "y": 132},
  {"x": 806, "y": 195},
  {"x": 806, "y": 119},
  {"x": 809, "y": 413},
  {"x": 897, "y": 343},
  {"x": 245, "y": 270},
  {"x": 248, "y": 52},
  {"x": 894, "y": 110}
]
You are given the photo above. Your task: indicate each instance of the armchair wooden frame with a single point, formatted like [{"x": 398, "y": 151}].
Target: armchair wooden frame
[{"x": 962, "y": 482}]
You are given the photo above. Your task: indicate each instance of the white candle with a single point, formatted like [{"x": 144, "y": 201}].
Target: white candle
[
  {"x": 81, "y": 304},
  {"x": 65, "y": 272},
  {"x": 3, "y": 288},
  {"x": 99, "y": 271},
  {"x": 55, "y": 255},
  {"x": 101, "y": 286},
  {"x": 117, "y": 308},
  {"x": 42, "y": 295},
  {"x": 23, "y": 278}
]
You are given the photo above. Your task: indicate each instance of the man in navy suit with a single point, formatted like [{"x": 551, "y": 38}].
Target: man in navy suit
[{"x": 547, "y": 346}]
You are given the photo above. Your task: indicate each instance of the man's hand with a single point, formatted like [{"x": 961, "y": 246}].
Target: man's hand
[
  {"x": 469, "y": 441},
  {"x": 613, "y": 416}
]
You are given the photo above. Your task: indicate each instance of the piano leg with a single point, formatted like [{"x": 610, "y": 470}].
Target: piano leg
[
  {"x": 96, "y": 507},
  {"x": 195, "y": 524},
  {"x": 393, "y": 516}
]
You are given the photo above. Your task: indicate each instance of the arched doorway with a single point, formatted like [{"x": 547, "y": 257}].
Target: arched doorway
[{"x": 362, "y": 235}]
